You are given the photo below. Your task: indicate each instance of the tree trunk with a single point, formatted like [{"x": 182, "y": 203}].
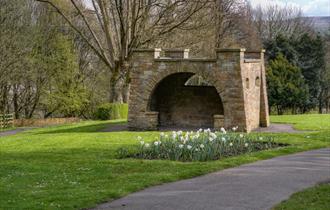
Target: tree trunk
[
  {"x": 15, "y": 102},
  {"x": 320, "y": 102},
  {"x": 112, "y": 92},
  {"x": 126, "y": 93},
  {"x": 116, "y": 85},
  {"x": 4, "y": 99}
]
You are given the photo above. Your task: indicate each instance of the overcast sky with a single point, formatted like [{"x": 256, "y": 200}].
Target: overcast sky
[{"x": 309, "y": 7}]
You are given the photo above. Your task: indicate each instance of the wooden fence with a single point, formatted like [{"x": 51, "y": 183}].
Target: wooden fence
[{"x": 6, "y": 120}]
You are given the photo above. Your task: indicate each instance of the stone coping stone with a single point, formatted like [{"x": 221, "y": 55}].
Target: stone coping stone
[
  {"x": 251, "y": 60},
  {"x": 181, "y": 50},
  {"x": 255, "y": 51},
  {"x": 186, "y": 59},
  {"x": 231, "y": 50}
]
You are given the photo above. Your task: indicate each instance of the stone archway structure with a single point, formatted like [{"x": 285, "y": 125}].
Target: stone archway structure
[
  {"x": 236, "y": 76},
  {"x": 185, "y": 105}
]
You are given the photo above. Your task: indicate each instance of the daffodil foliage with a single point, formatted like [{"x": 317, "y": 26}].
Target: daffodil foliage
[{"x": 201, "y": 145}]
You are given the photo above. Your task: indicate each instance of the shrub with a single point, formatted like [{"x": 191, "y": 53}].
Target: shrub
[
  {"x": 202, "y": 145},
  {"x": 111, "y": 111}
]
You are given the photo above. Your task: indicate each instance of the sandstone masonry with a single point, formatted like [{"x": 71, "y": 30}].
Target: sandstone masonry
[{"x": 160, "y": 97}]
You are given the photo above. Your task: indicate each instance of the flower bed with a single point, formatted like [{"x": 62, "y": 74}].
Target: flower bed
[{"x": 202, "y": 145}]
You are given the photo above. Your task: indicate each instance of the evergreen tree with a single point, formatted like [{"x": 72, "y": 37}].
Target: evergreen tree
[
  {"x": 308, "y": 53},
  {"x": 286, "y": 85},
  {"x": 281, "y": 44},
  {"x": 311, "y": 60},
  {"x": 66, "y": 93}
]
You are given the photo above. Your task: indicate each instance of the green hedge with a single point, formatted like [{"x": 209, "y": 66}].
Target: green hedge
[{"x": 111, "y": 111}]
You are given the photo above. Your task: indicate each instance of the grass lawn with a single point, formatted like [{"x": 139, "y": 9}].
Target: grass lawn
[
  {"x": 311, "y": 122},
  {"x": 314, "y": 198},
  {"x": 74, "y": 166}
]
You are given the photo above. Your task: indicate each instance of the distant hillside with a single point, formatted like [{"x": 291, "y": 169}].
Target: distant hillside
[{"x": 320, "y": 23}]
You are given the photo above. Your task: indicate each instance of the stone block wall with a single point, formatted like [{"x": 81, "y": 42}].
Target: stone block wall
[{"x": 226, "y": 103}]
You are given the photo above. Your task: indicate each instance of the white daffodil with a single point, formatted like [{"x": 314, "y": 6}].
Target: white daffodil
[
  {"x": 234, "y": 128},
  {"x": 241, "y": 135},
  {"x": 174, "y": 135},
  {"x": 196, "y": 149},
  {"x": 246, "y": 144},
  {"x": 139, "y": 138},
  {"x": 189, "y": 147},
  {"x": 147, "y": 145},
  {"x": 156, "y": 143},
  {"x": 260, "y": 138},
  {"x": 223, "y": 139},
  {"x": 142, "y": 142},
  {"x": 162, "y": 134},
  {"x": 181, "y": 146},
  {"x": 201, "y": 146},
  {"x": 211, "y": 139},
  {"x": 231, "y": 144},
  {"x": 166, "y": 136},
  {"x": 213, "y": 135}
]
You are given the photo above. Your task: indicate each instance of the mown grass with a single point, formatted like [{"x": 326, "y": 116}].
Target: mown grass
[
  {"x": 314, "y": 198},
  {"x": 311, "y": 122},
  {"x": 74, "y": 166}
]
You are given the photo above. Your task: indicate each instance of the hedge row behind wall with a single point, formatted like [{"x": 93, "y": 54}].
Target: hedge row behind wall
[{"x": 111, "y": 111}]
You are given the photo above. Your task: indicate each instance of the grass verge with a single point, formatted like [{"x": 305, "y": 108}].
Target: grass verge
[
  {"x": 314, "y": 198},
  {"x": 74, "y": 166},
  {"x": 309, "y": 122}
]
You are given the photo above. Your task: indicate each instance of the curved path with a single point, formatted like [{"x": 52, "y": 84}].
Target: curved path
[
  {"x": 278, "y": 128},
  {"x": 13, "y": 132},
  {"x": 259, "y": 185}
]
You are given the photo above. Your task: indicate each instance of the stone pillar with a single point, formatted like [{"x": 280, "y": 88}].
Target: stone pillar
[
  {"x": 151, "y": 120},
  {"x": 141, "y": 62},
  {"x": 264, "y": 109},
  {"x": 230, "y": 56},
  {"x": 219, "y": 122},
  {"x": 230, "y": 62}
]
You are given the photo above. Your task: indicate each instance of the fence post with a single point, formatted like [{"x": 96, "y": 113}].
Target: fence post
[{"x": 6, "y": 121}]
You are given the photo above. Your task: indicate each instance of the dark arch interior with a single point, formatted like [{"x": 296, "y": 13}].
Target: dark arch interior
[{"x": 185, "y": 106}]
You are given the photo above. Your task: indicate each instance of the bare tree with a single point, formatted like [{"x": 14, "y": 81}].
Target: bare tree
[
  {"x": 275, "y": 20},
  {"x": 227, "y": 15},
  {"x": 115, "y": 27}
]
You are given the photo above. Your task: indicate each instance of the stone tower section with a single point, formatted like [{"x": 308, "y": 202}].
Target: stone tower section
[{"x": 171, "y": 90}]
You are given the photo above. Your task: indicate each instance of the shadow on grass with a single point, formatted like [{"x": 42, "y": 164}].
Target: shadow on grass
[{"x": 99, "y": 127}]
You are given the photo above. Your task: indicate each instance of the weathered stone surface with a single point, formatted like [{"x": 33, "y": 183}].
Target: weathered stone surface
[{"x": 159, "y": 96}]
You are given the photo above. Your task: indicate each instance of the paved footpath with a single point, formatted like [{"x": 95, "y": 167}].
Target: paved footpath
[
  {"x": 255, "y": 186},
  {"x": 13, "y": 132}
]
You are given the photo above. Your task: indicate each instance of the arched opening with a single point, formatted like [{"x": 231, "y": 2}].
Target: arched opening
[
  {"x": 185, "y": 105},
  {"x": 247, "y": 83},
  {"x": 257, "y": 81}
]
